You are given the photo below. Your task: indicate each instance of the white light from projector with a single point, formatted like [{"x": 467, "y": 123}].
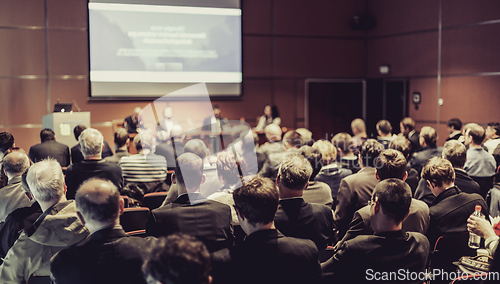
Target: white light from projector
[{"x": 384, "y": 69}]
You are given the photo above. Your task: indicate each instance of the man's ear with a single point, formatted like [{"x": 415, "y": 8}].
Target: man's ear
[
  {"x": 80, "y": 217},
  {"x": 376, "y": 175},
  {"x": 172, "y": 178},
  {"x": 278, "y": 178},
  {"x": 121, "y": 206},
  {"x": 406, "y": 176},
  {"x": 203, "y": 178}
]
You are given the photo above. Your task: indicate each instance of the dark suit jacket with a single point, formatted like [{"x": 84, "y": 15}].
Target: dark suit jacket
[
  {"x": 166, "y": 150},
  {"x": 414, "y": 139},
  {"x": 77, "y": 156},
  {"x": 268, "y": 257},
  {"x": 109, "y": 256},
  {"x": 50, "y": 148},
  {"x": 360, "y": 258},
  {"x": 77, "y": 173},
  {"x": 417, "y": 221},
  {"x": 420, "y": 158},
  {"x": 193, "y": 214},
  {"x": 271, "y": 165},
  {"x": 354, "y": 192},
  {"x": 299, "y": 219},
  {"x": 450, "y": 210},
  {"x": 207, "y": 123},
  {"x": 462, "y": 180},
  {"x": 117, "y": 156},
  {"x": 131, "y": 124}
]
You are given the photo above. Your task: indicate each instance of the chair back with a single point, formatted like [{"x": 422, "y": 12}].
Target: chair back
[
  {"x": 154, "y": 200},
  {"x": 133, "y": 220}
]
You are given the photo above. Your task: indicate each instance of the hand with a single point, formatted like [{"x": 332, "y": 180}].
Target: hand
[{"x": 480, "y": 227}]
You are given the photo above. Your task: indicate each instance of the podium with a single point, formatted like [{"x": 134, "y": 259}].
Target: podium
[{"x": 63, "y": 123}]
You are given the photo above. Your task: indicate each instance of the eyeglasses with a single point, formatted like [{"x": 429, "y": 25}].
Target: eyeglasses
[{"x": 371, "y": 202}]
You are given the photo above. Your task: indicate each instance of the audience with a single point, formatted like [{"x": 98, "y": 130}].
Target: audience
[
  {"x": 171, "y": 145},
  {"x": 292, "y": 141},
  {"x": 332, "y": 172},
  {"x": 58, "y": 227},
  {"x": 359, "y": 131},
  {"x": 13, "y": 196},
  {"x": 93, "y": 166},
  {"x": 343, "y": 142},
  {"x": 407, "y": 127},
  {"x": 480, "y": 165},
  {"x": 6, "y": 142},
  {"x": 384, "y": 130},
  {"x": 454, "y": 128},
  {"x": 356, "y": 189},
  {"x": 50, "y": 148},
  {"x": 109, "y": 255},
  {"x": 122, "y": 140},
  {"x": 455, "y": 152},
  {"x": 191, "y": 213},
  {"x": 492, "y": 136},
  {"x": 316, "y": 191},
  {"x": 389, "y": 249},
  {"x": 451, "y": 207},
  {"x": 295, "y": 216},
  {"x": 390, "y": 164},
  {"x": 429, "y": 149},
  {"x": 178, "y": 259},
  {"x": 266, "y": 255},
  {"x": 145, "y": 169},
  {"x": 403, "y": 145},
  {"x": 76, "y": 151}
]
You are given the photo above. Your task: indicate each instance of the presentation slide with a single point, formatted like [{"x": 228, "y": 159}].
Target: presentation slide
[{"x": 152, "y": 50}]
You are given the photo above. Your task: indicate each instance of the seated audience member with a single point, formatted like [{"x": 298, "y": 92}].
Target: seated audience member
[
  {"x": 295, "y": 216},
  {"x": 306, "y": 136},
  {"x": 407, "y": 127},
  {"x": 389, "y": 249},
  {"x": 13, "y": 196},
  {"x": 271, "y": 116},
  {"x": 58, "y": 227},
  {"x": 485, "y": 230},
  {"x": 332, "y": 172},
  {"x": 6, "y": 143},
  {"x": 343, "y": 142},
  {"x": 266, "y": 255},
  {"x": 455, "y": 152},
  {"x": 292, "y": 141},
  {"x": 122, "y": 141},
  {"x": 93, "y": 166},
  {"x": 384, "y": 130},
  {"x": 429, "y": 149},
  {"x": 145, "y": 169},
  {"x": 178, "y": 259},
  {"x": 355, "y": 190},
  {"x": 455, "y": 129},
  {"x": 109, "y": 255},
  {"x": 168, "y": 149},
  {"x": 358, "y": 128},
  {"x": 492, "y": 136},
  {"x": 316, "y": 191},
  {"x": 274, "y": 143},
  {"x": 451, "y": 208},
  {"x": 211, "y": 184},
  {"x": 480, "y": 164},
  {"x": 390, "y": 164},
  {"x": 50, "y": 148},
  {"x": 191, "y": 213},
  {"x": 230, "y": 168},
  {"x": 403, "y": 145},
  {"x": 131, "y": 122},
  {"x": 249, "y": 152},
  {"x": 76, "y": 151}
]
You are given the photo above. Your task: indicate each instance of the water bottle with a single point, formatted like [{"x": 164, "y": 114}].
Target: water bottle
[{"x": 475, "y": 240}]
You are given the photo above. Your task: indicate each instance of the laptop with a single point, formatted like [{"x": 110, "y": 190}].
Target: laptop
[{"x": 63, "y": 107}]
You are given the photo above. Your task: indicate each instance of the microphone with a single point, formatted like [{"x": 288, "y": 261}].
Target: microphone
[{"x": 77, "y": 107}]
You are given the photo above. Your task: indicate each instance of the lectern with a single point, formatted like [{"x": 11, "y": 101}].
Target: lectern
[{"x": 62, "y": 123}]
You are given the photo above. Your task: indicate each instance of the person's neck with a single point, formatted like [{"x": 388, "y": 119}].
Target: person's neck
[
  {"x": 289, "y": 193},
  {"x": 348, "y": 155},
  {"x": 97, "y": 226},
  {"x": 12, "y": 176},
  {"x": 96, "y": 157},
  {"x": 455, "y": 132},
  {"x": 123, "y": 148},
  {"x": 45, "y": 205},
  {"x": 252, "y": 228},
  {"x": 382, "y": 135},
  {"x": 385, "y": 224},
  {"x": 475, "y": 146}
]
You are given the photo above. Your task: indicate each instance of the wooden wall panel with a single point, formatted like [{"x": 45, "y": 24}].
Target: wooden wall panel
[
  {"x": 326, "y": 58},
  {"x": 256, "y": 16},
  {"x": 285, "y": 89},
  {"x": 68, "y": 53},
  {"x": 471, "y": 50},
  {"x": 22, "y": 13},
  {"x": 460, "y": 12},
  {"x": 317, "y": 17},
  {"x": 257, "y": 56},
  {"x": 67, "y": 14},
  {"x": 22, "y": 52}
]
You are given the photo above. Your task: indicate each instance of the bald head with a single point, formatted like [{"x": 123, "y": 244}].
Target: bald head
[
  {"x": 358, "y": 126},
  {"x": 15, "y": 163},
  {"x": 91, "y": 142},
  {"x": 98, "y": 201},
  {"x": 273, "y": 132},
  {"x": 197, "y": 147}
]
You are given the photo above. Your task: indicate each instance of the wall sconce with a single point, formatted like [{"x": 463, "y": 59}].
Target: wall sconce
[
  {"x": 416, "y": 98},
  {"x": 384, "y": 69}
]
